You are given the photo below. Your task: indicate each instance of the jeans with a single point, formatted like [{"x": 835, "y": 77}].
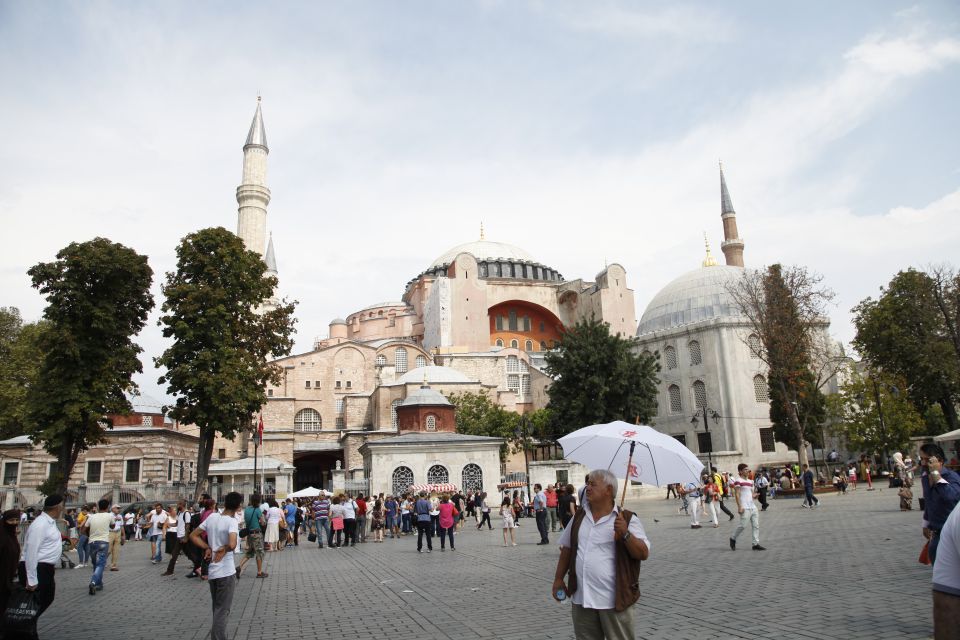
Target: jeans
[
  {"x": 749, "y": 515},
  {"x": 809, "y": 498},
  {"x": 362, "y": 528},
  {"x": 405, "y": 520},
  {"x": 723, "y": 508},
  {"x": 435, "y": 524},
  {"x": 552, "y": 512},
  {"x": 424, "y": 528},
  {"x": 221, "y": 593},
  {"x": 443, "y": 536},
  {"x": 391, "y": 521},
  {"x": 82, "y": 551},
  {"x": 158, "y": 540},
  {"x": 323, "y": 530},
  {"x": 542, "y": 525},
  {"x": 98, "y": 556},
  {"x": 485, "y": 518}
]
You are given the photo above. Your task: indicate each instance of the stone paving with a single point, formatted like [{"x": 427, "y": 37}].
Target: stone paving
[{"x": 847, "y": 570}]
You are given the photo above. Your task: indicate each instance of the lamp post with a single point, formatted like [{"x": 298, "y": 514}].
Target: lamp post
[
  {"x": 521, "y": 432},
  {"x": 706, "y": 412}
]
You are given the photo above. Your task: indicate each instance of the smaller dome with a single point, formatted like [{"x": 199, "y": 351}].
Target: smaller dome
[
  {"x": 695, "y": 296},
  {"x": 434, "y": 375},
  {"x": 425, "y": 397},
  {"x": 142, "y": 403},
  {"x": 338, "y": 321}
]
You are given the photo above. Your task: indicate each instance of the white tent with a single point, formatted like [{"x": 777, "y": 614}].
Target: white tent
[
  {"x": 309, "y": 492},
  {"x": 946, "y": 437}
]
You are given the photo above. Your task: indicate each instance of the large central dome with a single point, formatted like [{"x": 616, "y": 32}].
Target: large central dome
[
  {"x": 697, "y": 295},
  {"x": 485, "y": 250}
]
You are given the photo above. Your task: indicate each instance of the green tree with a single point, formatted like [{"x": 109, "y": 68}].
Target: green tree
[
  {"x": 873, "y": 414},
  {"x": 905, "y": 333},
  {"x": 217, "y": 366},
  {"x": 20, "y": 357},
  {"x": 810, "y": 407},
  {"x": 98, "y": 295},
  {"x": 478, "y": 415},
  {"x": 599, "y": 378}
]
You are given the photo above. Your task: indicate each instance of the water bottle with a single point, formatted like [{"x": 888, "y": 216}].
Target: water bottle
[{"x": 561, "y": 595}]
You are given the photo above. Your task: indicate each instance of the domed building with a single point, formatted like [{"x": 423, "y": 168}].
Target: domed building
[{"x": 708, "y": 361}]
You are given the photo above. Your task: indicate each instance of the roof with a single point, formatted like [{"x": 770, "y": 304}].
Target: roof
[
  {"x": 246, "y": 464},
  {"x": 433, "y": 374},
  {"x": 258, "y": 135},
  {"x": 485, "y": 250},
  {"x": 15, "y": 441},
  {"x": 271, "y": 257},
  {"x": 384, "y": 304},
  {"x": 425, "y": 396},
  {"x": 142, "y": 403},
  {"x": 423, "y": 437},
  {"x": 695, "y": 296},
  {"x": 338, "y": 321}
]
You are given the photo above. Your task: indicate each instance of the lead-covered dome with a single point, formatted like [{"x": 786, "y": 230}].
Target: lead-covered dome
[
  {"x": 693, "y": 297},
  {"x": 485, "y": 250}
]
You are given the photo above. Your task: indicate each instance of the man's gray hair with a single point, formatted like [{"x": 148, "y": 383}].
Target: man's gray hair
[{"x": 606, "y": 477}]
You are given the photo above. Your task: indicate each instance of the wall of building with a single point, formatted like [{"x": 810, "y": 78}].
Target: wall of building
[{"x": 383, "y": 461}]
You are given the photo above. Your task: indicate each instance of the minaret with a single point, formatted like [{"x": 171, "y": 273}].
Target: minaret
[
  {"x": 732, "y": 245},
  {"x": 253, "y": 196}
]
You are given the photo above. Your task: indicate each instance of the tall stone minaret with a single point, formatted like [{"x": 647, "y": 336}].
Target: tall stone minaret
[
  {"x": 732, "y": 245},
  {"x": 253, "y": 196}
]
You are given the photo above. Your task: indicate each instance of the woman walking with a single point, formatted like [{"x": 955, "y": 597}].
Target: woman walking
[
  {"x": 447, "y": 512},
  {"x": 481, "y": 505},
  {"x": 376, "y": 521},
  {"x": 274, "y": 515},
  {"x": 710, "y": 499},
  {"x": 336, "y": 522},
  {"x": 506, "y": 512}
]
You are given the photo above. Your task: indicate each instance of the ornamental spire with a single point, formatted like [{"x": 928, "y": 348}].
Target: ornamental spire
[
  {"x": 732, "y": 245},
  {"x": 258, "y": 135},
  {"x": 709, "y": 261}
]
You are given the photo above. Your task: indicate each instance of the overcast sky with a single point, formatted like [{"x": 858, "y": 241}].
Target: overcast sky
[{"x": 584, "y": 132}]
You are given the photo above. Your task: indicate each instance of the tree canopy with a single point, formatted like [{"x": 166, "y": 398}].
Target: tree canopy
[
  {"x": 217, "y": 366},
  {"x": 478, "y": 415},
  {"x": 20, "y": 357},
  {"x": 98, "y": 295},
  {"x": 597, "y": 378}
]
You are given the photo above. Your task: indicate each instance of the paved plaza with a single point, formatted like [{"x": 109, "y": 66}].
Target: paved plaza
[{"x": 847, "y": 570}]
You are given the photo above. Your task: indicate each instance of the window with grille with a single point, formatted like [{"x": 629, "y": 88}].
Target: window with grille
[
  {"x": 10, "y": 472},
  {"x": 400, "y": 360},
  {"x": 526, "y": 323},
  {"x": 695, "y": 355},
  {"x": 525, "y": 385},
  {"x": 341, "y": 423},
  {"x": 306, "y": 384},
  {"x": 512, "y": 323},
  {"x": 755, "y": 346},
  {"x": 431, "y": 422},
  {"x": 338, "y": 385},
  {"x": 513, "y": 364},
  {"x": 499, "y": 323},
  {"x": 402, "y": 479},
  {"x": 169, "y": 470},
  {"x": 146, "y": 421},
  {"x": 393, "y": 413},
  {"x": 95, "y": 471},
  {"x": 760, "y": 389},
  {"x": 670, "y": 355},
  {"x": 381, "y": 360},
  {"x": 472, "y": 477},
  {"x": 705, "y": 442},
  {"x": 543, "y": 346},
  {"x": 499, "y": 342},
  {"x": 339, "y": 405},
  {"x": 676, "y": 404},
  {"x": 513, "y": 382},
  {"x": 767, "y": 442},
  {"x": 307, "y": 420},
  {"x": 514, "y": 344},
  {"x": 131, "y": 470},
  {"x": 438, "y": 474},
  {"x": 528, "y": 346},
  {"x": 699, "y": 394},
  {"x": 420, "y": 362}
]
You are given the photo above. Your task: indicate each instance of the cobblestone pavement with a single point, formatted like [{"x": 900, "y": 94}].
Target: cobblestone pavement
[{"x": 847, "y": 570}]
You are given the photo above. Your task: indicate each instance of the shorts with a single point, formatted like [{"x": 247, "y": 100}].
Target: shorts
[{"x": 255, "y": 545}]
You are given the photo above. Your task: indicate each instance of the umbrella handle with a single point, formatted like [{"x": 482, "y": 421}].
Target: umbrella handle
[{"x": 626, "y": 479}]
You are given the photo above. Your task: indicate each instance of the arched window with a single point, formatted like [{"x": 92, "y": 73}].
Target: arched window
[
  {"x": 381, "y": 360},
  {"x": 499, "y": 342},
  {"x": 420, "y": 362},
  {"x": 513, "y": 364},
  {"x": 438, "y": 474},
  {"x": 472, "y": 478},
  {"x": 400, "y": 360},
  {"x": 695, "y": 356},
  {"x": 676, "y": 404},
  {"x": 760, "y": 389},
  {"x": 755, "y": 346},
  {"x": 514, "y": 344},
  {"x": 307, "y": 420},
  {"x": 699, "y": 394},
  {"x": 543, "y": 346},
  {"x": 528, "y": 346},
  {"x": 670, "y": 355},
  {"x": 402, "y": 479},
  {"x": 393, "y": 413},
  {"x": 431, "y": 422}
]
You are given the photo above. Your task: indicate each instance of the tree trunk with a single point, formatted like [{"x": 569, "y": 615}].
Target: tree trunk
[
  {"x": 949, "y": 412},
  {"x": 801, "y": 442},
  {"x": 204, "y": 454}
]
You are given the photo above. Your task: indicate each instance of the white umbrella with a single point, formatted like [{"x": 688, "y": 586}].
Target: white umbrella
[
  {"x": 633, "y": 451},
  {"x": 309, "y": 492}
]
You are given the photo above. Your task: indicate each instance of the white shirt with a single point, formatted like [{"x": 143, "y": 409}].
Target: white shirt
[
  {"x": 596, "y": 579},
  {"x": 42, "y": 544},
  {"x": 349, "y": 509},
  {"x": 218, "y": 528},
  {"x": 156, "y": 522},
  {"x": 946, "y": 570},
  {"x": 117, "y": 523},
  {"x": 182, "y": 519},
  {"x": 274, "y": 514},
  {"x": 745, "y": 487},
  {"x": 128, "y": 519}
]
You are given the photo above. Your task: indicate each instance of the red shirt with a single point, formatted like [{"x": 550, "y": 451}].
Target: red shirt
[
  {"x": 361, "y": 507},
  {"x": 551, "y": 498},
  {"x": 446, "y": 514}
]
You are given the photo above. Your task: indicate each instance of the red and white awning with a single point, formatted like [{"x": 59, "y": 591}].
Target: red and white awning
[
  {"x": 433, "y": 488},
  {"x": 514, "y": 484}
]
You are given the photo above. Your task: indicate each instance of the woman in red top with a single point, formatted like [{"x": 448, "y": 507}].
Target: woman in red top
[{"x": 447, "y": 513}]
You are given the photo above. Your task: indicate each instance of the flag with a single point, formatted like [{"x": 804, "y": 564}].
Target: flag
[{"x": 260, "y": 431}]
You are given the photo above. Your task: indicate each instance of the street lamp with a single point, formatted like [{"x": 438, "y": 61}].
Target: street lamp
[
  {"x": 705, "y": 412},
  {"x": 521, "y": 432}
]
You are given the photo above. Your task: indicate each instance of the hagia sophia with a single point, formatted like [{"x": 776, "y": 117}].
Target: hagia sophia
[{"x": 369, "y": 401}]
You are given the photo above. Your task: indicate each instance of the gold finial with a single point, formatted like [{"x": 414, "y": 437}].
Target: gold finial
[
  {"x": 709, "y": 261},
  {"x": 482, "y": 234}
]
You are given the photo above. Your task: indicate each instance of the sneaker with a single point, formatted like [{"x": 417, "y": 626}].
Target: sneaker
[
  {"x": 429, "y": 550},
  {"x": 805, "y": 505},
  {"x": 694, "y": 526},
  {"x": 733, "y": 544},
  {"x": 93, "y": 589},
  {"x": 419, "y": 550},
  {"x": 79, "y": 566},
  {"x": 757, "y": 547}
]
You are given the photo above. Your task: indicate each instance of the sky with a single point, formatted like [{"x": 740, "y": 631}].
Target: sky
[{"x": 585, "y": 133}]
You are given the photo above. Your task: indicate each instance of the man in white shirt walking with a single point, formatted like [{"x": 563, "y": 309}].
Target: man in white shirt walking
[
  {"x": 41, "y": 551},
  {"x": 744, "y": 492},
  {"x": 157, "y": 519},
  {"x": 222, "y": 533},
  {"x": 116, "y": 537},
  {"x": 98, "y": 532}
]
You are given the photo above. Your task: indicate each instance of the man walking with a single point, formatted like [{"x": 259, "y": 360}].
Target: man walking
[
  {"x": 691, "y": 493},
  {"x": 183, "y": 516},
  {"x": 97, "y": 528},
  {"x": 744, "y": 493},
  {"x": 222, "y": 534},
  {"x": 810, "y": 501},
  {"x": 157, "y": 517},
  {"x": 321, "y": 519},
  {"x": 41, "y": 550},
  {"x": 540, "y": 512},
  {"x": 116, "y": 537},
  {"x": 761, "y": 482},
  {"x": 610, "y": 573},
  {"x": 552, "y": 500},
  {"x": 422, "y": 510},
  {"x": 941, "y": 492},
  {"x": 254, "y": 521},
  {"x": 722, "y": 491}
]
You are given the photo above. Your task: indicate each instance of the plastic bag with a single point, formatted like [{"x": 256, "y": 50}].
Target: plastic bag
[{"x": 20, "y": 616}]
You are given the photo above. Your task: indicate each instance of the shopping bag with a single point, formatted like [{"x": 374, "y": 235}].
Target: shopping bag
[
  {"x": 925, "y": 554},
  {"x": 312, "y": 537},
  {"x": 20, "y": 616}
]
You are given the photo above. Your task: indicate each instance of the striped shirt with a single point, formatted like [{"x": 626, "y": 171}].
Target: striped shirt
[
  {"x": 744, "y": 486},
  {"x": 321, "y": 508}
]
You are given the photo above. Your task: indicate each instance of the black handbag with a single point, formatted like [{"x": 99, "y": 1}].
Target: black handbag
[
  {"x": 20, "y": 616},
  {"x": 312, "y": 537}
]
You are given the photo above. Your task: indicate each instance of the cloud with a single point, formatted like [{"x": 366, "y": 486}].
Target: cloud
[
  {"x": 905, "y": 56},
  {"x": 626, "y": 21}
]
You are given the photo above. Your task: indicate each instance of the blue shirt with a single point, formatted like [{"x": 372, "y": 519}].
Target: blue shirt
[
  {"x": 291, "y": 511},
  {"x": 940, "y": 498},
  {"x": 808, "y": 478},
  {"x": 539, "y": 501},
  {"x": 422, "y": 509}
]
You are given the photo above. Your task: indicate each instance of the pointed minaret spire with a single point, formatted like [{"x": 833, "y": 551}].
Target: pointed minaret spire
[
  {"x": 482, "y": 234},
  {"x": 253, "y": 196},
  {"x": 709, "y": 261},
  {"x": 257, "y": 135},
  {"x": 732, "y": 245},
  {"x": 271, "y": 258}
]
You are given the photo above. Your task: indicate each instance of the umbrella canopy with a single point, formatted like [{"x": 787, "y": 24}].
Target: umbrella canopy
[
  {"x": 433, "y": 488},
  {"x": 658, "y": 459},
  {"x": 309, "y": 492}
]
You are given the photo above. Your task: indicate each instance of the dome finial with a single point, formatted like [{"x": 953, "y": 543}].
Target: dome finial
[
  {"x": 482, "y": 234},
  {"x": 709, "y": 261}
]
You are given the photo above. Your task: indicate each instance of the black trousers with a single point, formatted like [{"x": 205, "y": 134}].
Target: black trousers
[
  {"x": 763, "y": 498},
  {"x": 46, "y": 586},
  {"x": 724, "y": 508},
  {"x": 424, "y": 528},
  {"x": 485, "y": 518},
  {"x": 542, "y": 525}
]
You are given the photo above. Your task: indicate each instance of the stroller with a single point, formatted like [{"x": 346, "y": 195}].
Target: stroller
[{"x": 65, "y": 546}]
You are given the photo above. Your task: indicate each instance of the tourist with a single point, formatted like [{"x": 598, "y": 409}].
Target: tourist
[
  {"x": 405, "y": 506},
  {"x": 540, "y": 513},
  {"x": 349, "y": 521},
  {"x": 377, "y": 517},
  {"x": 517, "y": 507},
  {"x": 143, "y": 523},
  {"x": 177, "y": 536},
  {"x": 81, "y": 546},
  {"x": 551, "y": 493},
  {"x": 254, "y": 521},
  {"x": 9, "y": 553},
  {"x": 745, "y": 493},
  {"x": 446, "y": 519},
  {"x": 97, "y": 527},
  {"x": 290, "y": 511},
  {"x": 761, "y": 483},
  {"x": 42, "y": 548},
  {"x": 170, "y": 529},
  {"x": 481, "y": 506},
  {"x": 506, "y": 514},
  {"x": 471, "y": 505},
  {"x": 392, "y": 520},
  {"x": 274, "y": 516},
  {"x": 129, "y": 524},
  {"x": 810, "y": 501},
  {"x": 157, "y": 519},
  {"x": 361, "y": 518},
  {"x": 723, "y": 490},
  {"x": 710, "y": 499},
  {"x": 905, "y": 480},
  {"x": 117, "y": 528},
  {"x": 867, "y": 466},
  {"x": 603, "y": 608},
  {"x": 673, "y": 488},
  {"x": 422, "y": 510},
  {"x": 567, "y": 505},
  {"x": 321, "y": 519},
  {"x": 221, "y": 539},
  {"x": 691, "y": 494},
  {"x": 336, "y": 522},
  {"x": 941, "y": 492},
  {"x": 852, "y": 475},
  {"x": 946, "y": 581}
]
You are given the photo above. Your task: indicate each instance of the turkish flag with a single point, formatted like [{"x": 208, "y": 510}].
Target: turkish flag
[{"x": 260, "y": 430}]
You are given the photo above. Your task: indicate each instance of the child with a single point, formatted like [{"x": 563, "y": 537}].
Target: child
[{"x": 506, "y": 512}]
